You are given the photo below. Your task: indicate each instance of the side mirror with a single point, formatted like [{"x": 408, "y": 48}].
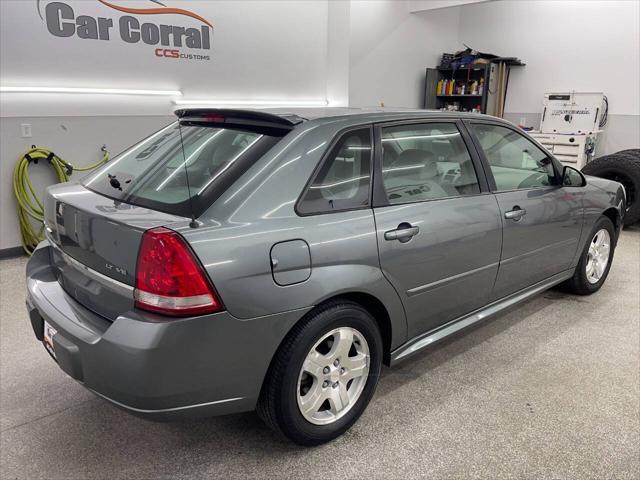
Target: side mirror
[{"x": 572, "y": 177}]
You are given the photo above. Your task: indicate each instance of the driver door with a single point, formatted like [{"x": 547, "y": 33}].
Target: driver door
[{"x": 542, "y": 221}]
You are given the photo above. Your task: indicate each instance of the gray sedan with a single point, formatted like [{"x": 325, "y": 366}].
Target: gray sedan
[{"x": 239, "y": 260}]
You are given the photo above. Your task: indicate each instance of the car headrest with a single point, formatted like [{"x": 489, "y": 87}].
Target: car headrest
[
  {"x": 423, "y": 160},
  {"x": 225, "y": 153}
]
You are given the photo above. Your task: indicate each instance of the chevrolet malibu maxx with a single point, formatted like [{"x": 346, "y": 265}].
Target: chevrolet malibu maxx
[{"x": 239, "y": 260}]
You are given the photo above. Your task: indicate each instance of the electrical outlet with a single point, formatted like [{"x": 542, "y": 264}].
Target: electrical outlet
[{"x": 26, "y": 130}]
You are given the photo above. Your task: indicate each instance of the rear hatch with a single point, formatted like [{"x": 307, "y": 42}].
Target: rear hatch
[
  {"x": 96, "y": 227},
  {"x": 95, "y": 246}
]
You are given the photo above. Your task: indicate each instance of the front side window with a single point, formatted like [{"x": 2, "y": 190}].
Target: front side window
[
  {"x": 516, "y": 163},
  {"x": 342, "y": 183},
  {"x": 426, "y": 162}
]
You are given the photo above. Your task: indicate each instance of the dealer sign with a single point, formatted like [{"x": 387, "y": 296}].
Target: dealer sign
[{"x": 170, "y": 40}]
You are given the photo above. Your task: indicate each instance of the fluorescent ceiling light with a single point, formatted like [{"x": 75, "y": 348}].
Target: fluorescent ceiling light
[
  {"x": 253, "y": 103},
  {"x": 98, "y": 91}
]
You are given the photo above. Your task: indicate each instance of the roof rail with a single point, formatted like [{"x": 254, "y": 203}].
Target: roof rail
[{"x": 252, "y": 120}]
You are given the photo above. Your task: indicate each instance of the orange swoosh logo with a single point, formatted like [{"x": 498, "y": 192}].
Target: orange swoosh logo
[{"x": 149, "y": 11}]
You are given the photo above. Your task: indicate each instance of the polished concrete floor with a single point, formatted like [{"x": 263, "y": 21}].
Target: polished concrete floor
[{"x": 548, "y": 390}]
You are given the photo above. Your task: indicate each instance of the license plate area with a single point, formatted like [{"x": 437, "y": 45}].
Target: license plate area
[{"x": 47, "y": 338}]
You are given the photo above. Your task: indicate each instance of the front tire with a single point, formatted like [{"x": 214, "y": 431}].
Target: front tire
[
  {"x": 323, "y": 375},
  {"x": 595, "y": 260}
]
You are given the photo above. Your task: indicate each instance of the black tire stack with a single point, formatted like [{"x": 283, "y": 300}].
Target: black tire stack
[{"x": 623, "y": 167}]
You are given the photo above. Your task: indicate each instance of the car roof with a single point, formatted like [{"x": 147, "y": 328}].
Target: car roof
[
  {"x": 382, "y": 113},
  {"x": 295, "y": 116}
]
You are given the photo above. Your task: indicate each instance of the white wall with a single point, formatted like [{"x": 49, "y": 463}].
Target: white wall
[
  {"x": 390, "y": 49},
  {"x": 421, "y": 5},
  {"x": 338, "y": 36},
  {"x": 567, "y": 45},
  {"x": 259, "y": 50}
]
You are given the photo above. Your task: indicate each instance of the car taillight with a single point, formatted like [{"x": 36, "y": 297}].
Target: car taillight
[{"x": 169, "y": 279}]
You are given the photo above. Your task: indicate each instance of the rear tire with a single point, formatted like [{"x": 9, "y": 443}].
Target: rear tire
[
  {"x": 623, "y": 167},
  {"x": 588, "y": 277},
  {"x": 340, "y": 396}
]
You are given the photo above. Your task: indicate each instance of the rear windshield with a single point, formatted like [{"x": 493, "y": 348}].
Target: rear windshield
[{"x": 180, "y": 168}]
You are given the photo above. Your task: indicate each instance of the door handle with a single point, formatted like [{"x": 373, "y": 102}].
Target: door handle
[
  {"x": 516, "y": 214},
  {"x": 403, "y": 233}
]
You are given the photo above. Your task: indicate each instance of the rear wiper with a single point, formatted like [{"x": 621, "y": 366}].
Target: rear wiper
[{"x": 115, "y": 183}]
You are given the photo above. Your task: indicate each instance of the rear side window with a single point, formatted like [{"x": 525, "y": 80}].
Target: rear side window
[
  {"x": 180, "y": 167},
  {"x": 426, "y": 162},
  {"x": 343, "y": 180}
]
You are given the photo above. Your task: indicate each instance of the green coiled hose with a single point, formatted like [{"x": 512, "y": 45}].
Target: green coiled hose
[{"x": 28, "y": 204}]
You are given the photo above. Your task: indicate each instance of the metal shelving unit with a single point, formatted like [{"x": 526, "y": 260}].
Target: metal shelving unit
[
  {"x": 461, "y": 75},
  {"x": 486, "y": 100}
]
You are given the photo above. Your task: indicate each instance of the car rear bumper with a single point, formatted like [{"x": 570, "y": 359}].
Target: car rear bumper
[{"x": 200, "y": 366}]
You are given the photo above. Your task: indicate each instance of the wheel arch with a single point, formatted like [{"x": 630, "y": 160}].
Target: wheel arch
[
  {"x": 613, "y": 214},
  {"x": 370, "y": 303},
  {"x": 379, "y": 313}
]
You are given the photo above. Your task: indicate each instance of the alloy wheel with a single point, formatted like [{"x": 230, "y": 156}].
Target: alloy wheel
[
  {"x": 598, "y": 256},
  {"x": 333, "y": 376}
]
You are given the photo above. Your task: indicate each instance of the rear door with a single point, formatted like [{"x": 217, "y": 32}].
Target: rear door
[
  {"x": 438, "y": 226},
  {"x": 542, "y": 220}
]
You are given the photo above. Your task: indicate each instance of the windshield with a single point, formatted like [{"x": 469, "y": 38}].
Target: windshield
[{"x": 180, "y": 167}]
